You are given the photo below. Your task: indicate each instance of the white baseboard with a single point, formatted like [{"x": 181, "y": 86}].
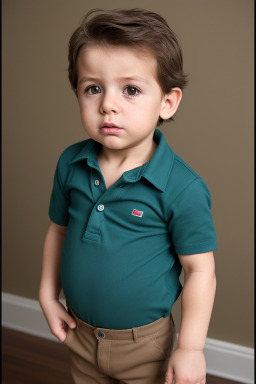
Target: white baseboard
[{"x": 223, "y": 359}]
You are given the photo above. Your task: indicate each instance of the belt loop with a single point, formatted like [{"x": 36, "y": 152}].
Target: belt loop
[{"x": 135, "y": 336}]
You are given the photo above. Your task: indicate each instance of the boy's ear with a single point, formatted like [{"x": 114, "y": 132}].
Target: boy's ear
[{"x": 170, "y": 103}]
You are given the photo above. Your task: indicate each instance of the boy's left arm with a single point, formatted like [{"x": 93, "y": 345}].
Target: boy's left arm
[{"x": 187, "y": 363}]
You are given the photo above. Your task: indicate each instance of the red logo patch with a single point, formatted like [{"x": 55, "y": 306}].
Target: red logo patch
[{"x": 137, "y": 213}]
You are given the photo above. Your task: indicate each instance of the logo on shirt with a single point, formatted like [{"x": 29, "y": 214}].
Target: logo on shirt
[{"x": 137, "y": 213}]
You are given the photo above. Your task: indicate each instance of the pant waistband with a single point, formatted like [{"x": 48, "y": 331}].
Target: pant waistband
[{"x": 135, "y": 333}]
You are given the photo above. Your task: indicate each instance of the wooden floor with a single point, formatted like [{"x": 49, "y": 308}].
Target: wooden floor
[{"x": 28, "y": 359}]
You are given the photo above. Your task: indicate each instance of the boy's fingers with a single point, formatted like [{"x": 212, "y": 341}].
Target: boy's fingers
[
  {"x": 70, "y": 321},
  {"x": 169, "y": 377},
  {"x": 60, "y": 333},
  {"x": 62, "y": 336},
  {"x": 72, "y": 324}
]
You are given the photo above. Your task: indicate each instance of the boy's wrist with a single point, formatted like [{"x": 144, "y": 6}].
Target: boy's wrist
[
  {"x": 190, "y": 345},
  {"x": 189, "y": 349},
  {"x": 46, "y": 297}
]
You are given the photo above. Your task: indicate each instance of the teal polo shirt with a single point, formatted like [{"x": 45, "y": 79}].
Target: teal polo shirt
[{"x": 120, "y": 266}]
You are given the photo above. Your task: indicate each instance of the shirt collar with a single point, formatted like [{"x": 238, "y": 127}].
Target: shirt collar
[
  {"x": 160, "y": 165},
  {"x": 157, "y": 170},
  {"x": 89, "y": 152}
]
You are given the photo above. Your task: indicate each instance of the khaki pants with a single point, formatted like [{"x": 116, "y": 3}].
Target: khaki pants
[{"x": 132, "y": 356}]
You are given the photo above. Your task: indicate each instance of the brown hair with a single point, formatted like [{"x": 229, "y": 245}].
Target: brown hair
[{"x": 133, "y": 28}]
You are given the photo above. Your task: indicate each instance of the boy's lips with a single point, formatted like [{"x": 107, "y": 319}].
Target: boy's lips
[{"x": 110, "y": 128}]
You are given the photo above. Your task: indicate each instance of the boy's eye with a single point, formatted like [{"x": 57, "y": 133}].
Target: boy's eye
[
  {"x": 93, "y": 90},
  {"x": 132, "y": 91}
]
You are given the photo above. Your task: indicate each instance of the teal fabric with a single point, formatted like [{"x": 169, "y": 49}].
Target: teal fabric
[{"x": 120, "y": 266}]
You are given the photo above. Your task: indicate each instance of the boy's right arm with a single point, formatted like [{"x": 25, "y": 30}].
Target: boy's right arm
[{"x": 50, "y": 286}]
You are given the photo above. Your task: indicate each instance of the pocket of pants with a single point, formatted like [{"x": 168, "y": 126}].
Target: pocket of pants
[
  {"x": 65, "y": 341},
  {"x": 163, "y": 341},
  {"x": 70, "y": 330}
]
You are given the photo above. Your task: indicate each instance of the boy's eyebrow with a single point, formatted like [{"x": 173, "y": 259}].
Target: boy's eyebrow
[
  {"x": 84, "y": 79},
  {"x": 136, "y": 78},
  {"x": 126, "y": 78}
]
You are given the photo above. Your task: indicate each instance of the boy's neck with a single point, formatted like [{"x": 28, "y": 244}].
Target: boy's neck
[{"x": 130, "y": 157}]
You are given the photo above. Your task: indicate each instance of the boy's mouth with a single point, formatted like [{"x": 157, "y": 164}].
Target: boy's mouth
[
  {"x": 110, "y": 128},
  {"x": 109, "y": 125}
]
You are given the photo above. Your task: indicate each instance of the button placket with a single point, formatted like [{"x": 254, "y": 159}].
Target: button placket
[
  {"x": 102, "y": 196},
  {"x": 93, "y": 230},
  {"x": 97, "y": 185}
]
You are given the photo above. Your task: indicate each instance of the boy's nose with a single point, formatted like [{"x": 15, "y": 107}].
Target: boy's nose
[{"x": 109, "y": 105}]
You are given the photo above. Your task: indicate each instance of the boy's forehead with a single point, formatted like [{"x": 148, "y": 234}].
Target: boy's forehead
[
  {"x": 128, "y": 61},
  {"x": 117, "y": 49}
]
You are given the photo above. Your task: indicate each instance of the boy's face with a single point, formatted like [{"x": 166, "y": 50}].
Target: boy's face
[{"x": 119, "y": 97}]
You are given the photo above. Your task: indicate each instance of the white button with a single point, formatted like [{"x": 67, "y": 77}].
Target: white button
[
  {"x": 97, "y": 182},
  {"x": 100, "y": 207}
]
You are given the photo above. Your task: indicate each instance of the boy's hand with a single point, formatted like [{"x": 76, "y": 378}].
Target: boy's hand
[
  {"x": 186, "y": 366},
  {"x": 58, "y": 319}
]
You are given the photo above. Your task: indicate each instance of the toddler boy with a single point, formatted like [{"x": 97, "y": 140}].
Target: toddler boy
[{"x": 127, "y": 214}]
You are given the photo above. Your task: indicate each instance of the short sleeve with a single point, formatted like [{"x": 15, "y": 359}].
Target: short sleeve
[
  {"x": 60, "y": 201},
  {"x": 191, "y": 225}
]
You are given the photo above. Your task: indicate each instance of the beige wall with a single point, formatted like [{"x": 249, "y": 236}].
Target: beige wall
[{"x": 212, "y": 132}]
